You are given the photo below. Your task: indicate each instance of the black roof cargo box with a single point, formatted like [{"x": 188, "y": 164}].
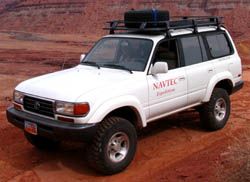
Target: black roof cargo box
[{"x": 134, "y": 18}]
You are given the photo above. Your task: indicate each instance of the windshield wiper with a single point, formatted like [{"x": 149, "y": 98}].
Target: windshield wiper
[
  {"x": 91, "y": 64},
  {"x": 119, "y": 67}
]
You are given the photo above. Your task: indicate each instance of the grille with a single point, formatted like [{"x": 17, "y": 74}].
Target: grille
[{"x": 38, "y": 106}]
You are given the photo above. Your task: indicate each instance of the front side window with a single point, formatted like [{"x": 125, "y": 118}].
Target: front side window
[
  {"x": 218, "y": 45},
  {"x": 191, "y": 50},
  {"x": 121, "y": 53},
  {"x": 167, "y": 52}
]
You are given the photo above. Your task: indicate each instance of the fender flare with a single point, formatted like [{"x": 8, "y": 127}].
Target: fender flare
[
  {"x": 115, "y": 103},
  {"x": 214, "y": 80}
]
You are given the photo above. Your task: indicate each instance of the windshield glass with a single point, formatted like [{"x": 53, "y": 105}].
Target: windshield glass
[{"x": 120, "y": 53}]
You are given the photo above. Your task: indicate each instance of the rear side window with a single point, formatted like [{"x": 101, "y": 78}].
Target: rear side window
[
  {"x": 191, "y": 50},
  {"x": 203, "y": 49},
  {"x": 218, "y": 45}
]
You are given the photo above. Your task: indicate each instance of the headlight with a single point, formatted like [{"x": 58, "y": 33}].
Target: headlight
[
  {"x": 18, "y": 97},
  {"x": 72, "y": 109}
]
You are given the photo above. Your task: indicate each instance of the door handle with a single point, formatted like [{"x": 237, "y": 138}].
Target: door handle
[
  {"x": 210, "y": 70},
  {"x": 182, "y": 78}
]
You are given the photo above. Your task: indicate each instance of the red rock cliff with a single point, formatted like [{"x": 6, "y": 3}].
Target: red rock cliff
[{"x": 89, "y": 16}]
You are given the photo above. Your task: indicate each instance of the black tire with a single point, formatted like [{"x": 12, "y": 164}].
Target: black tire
[
  {"x": 41, "y": 142},
  {"x": 213, "y": 116},
  {"x": 100, "y": 155}
]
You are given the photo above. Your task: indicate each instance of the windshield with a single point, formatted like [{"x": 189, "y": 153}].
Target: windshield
[{"x": 120, "y": 53}]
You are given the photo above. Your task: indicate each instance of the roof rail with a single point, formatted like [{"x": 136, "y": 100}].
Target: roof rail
[{"x": 164, "y": 26}]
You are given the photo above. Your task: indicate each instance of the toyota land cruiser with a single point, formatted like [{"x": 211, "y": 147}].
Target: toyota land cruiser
[{"x": 147, "y": 68}]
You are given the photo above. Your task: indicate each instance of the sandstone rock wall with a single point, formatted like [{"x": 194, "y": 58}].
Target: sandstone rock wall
[{"x": 89, "y": 16}]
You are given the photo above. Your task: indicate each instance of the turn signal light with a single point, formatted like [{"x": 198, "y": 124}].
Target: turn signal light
[
  {"x": 17, "y": 106},
  {"x": 81, "y": 109}
]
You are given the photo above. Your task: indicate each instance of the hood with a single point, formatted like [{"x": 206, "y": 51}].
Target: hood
[{"x": 69, "y": 85}]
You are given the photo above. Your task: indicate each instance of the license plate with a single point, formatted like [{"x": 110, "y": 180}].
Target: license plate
[{"x": 30, "y": 127}]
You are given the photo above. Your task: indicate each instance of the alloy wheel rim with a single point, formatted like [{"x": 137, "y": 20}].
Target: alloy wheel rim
[
  {"x": 118, "y": 147},
  {"x": 220, "y": 109}
]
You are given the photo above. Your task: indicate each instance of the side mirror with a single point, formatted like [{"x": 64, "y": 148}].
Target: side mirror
[
  {"x": 159, "y": 67},
  {"x": 82, "y": 57}
]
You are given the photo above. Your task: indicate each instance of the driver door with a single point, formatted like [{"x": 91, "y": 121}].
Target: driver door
[{"x": 167, "y": 91}]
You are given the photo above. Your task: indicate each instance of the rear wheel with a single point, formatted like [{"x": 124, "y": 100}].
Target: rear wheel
[
  {"x": 113, "y": 147},
  {"x": 215, "y": 114},
  {"x": 41, "y": 142}
]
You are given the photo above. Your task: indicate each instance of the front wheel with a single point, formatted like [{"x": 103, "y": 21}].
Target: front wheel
[
  {"x": 215, "y": 114},
  {"x": 113, "y": 147}
]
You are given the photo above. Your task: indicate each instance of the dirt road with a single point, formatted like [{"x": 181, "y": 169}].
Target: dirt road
[{"x": 175, "y": 148}]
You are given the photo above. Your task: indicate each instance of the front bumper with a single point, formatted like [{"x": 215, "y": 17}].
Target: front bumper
[{"x": 51, "y": 128}]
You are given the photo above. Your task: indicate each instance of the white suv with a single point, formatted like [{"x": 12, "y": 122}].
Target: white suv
[{"x": 145, "y": 72}]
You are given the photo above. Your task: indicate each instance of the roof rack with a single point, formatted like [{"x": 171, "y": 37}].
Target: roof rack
[{"x": 164, "y": 26}]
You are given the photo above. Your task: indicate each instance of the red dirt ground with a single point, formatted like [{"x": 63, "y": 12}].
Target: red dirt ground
[
  {"x": 37, "y": 37},
  {"x": 175, "y": 148}
]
